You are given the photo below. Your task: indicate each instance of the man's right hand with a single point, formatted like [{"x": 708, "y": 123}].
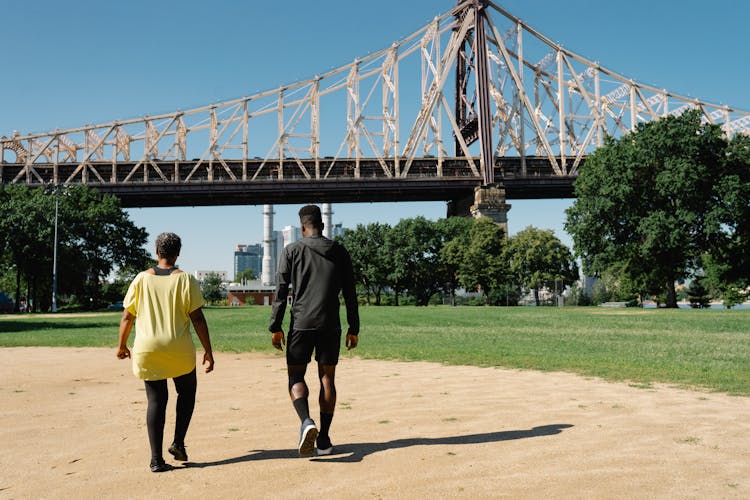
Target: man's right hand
[
  {"x": 277, "y": 339},
  {"x": 351, "y": 341}
]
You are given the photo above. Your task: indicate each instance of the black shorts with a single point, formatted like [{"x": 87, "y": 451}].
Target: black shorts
[{"x": 300, "y": 345}]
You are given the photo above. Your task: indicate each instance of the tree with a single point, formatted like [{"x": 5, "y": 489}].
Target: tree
[
  {"x": 212, "y": 289},
  {"x": 371, "y": 259},
  {"x": 97, "y": 236},
  {"x": 116, "y": 289},
  {"x": 415, "y": 245},
  {"x": 538, "y": 259},
  {"x": 454, "y": 233},
  {"x": 698, "y": 295},
  {"x": 643, "y": 199},
  {"x": 245, "y": 275},
  {"x": 94, "y": 237},
  {"x": 481, "y": 263},
  {"x": 729, "y": 219}
]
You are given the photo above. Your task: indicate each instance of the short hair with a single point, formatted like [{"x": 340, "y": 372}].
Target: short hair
[
  {"x": 168, "y": 245},
  {"x": 309, "y": 215}
]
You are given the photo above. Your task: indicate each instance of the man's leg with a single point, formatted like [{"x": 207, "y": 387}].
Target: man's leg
[
  {"x": 298, "y": 391},
  {"x": 299, "y": 394},
  {"x": 327, "y": 401}
]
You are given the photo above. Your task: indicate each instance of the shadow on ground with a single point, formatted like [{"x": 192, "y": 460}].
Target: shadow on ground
[{"x": 356, "y": 452}]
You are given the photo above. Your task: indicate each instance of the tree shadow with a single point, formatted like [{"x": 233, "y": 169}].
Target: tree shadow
[
  {"x": 24, "y": 325},
  {"x": 356, "y": 452}
]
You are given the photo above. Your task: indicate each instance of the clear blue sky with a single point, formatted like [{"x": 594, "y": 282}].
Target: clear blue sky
[{"x": 73, "y": 63}]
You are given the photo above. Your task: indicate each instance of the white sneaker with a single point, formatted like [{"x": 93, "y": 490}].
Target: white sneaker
[
  {"x": 326, "y": 450},
  {"x": 307, "y": 436}
]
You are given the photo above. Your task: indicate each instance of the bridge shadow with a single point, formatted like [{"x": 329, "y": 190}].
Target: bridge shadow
[{"x": 356, "y": 452}]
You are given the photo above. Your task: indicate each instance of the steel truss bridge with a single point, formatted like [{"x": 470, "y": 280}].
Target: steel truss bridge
[{"x": 475, "y": 99}]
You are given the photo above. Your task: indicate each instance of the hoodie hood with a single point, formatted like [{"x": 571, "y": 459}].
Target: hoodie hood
[{"x": 320, "y": 245}]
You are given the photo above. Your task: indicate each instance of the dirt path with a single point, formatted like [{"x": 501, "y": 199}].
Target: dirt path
[{"x": 74, "y": 426}]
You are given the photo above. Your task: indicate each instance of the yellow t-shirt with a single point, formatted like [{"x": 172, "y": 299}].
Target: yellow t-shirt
[{"x": 163, "y": 346}]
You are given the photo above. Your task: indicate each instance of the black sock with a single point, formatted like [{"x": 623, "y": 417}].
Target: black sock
[
  {"x": 325, "y": 424},
  {"x": 302, "y": 408}
]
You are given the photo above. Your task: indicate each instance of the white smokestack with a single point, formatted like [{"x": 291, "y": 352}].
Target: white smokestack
[
  {"x": 268, "y": 271},
  {"x": 327, "y": 220}
]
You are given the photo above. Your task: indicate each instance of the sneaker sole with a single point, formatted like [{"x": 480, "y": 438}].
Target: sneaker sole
[
  {"x": 307, "y": 442},
  {"x": 325, "y": 451}
]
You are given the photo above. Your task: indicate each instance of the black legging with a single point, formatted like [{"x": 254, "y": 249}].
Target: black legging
[{"x": 158, "y": 395}]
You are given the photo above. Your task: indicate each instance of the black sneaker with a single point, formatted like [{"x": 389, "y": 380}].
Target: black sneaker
[
  {"x": 178, "y": 452},
  {"x": 324, "y": 446},
  {"x": 158, "y": 465},
  {"x": 308, "y": 434}
]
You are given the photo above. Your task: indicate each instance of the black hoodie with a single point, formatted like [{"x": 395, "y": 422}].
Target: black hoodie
[{"x": 318, "y": 269}]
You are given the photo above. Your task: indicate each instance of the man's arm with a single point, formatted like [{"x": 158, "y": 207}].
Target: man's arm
[
  {"x": 283, "y": 278},
  {"x": 349, "y": 291},
  {"x": 201, "y": 330}
]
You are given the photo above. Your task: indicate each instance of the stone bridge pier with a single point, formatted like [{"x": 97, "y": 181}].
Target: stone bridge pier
[{"x": 487, "y": 201}]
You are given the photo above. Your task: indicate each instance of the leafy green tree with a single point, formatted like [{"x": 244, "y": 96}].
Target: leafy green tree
[
  {"x": 94, "y": 236},
  {"x": 28, "y": 239},
  {"x": 371, "y": 260},
  {"x": 483, "y": 266},
  {"x": 415, "y": 245},
  {"x": 455, "y": 235},
  {"x": 732, "y": 296},
  {"x": 246, "y": 275},
  {"x": 729, "y": 218},
  {"x": 212, "y": 288},
  {"x": 98, "y": 236},
  {"x": 538, "y": 259},
  {"x": 643, "y": 200},
  {"x": 698, "y": 295}
]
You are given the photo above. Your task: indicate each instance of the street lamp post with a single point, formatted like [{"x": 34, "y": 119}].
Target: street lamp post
[{"x": 54, "y": 255}]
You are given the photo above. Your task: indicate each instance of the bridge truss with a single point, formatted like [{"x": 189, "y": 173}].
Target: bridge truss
[{"x": 475, "y": 97}]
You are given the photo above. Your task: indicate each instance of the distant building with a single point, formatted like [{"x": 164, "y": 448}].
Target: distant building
[
  {"x": 201, "y": 275},
  {"x": 250, "y": 293},
  {"x": 291, "y": 234},
  {"x": 248, "y": 257}
]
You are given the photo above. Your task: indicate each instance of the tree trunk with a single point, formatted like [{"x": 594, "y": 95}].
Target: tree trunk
[
  {"x": 17, "y": 307},
  {"x": 536, "y": 297},
  {"x": 671, "y": 301},
  {"x": 395, "y": 300}
]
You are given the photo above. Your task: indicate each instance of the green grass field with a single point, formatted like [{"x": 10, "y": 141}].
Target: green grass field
[{"x": 693, "y": 348}]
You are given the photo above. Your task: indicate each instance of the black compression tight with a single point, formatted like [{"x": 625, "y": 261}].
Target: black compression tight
[{"x": 158, "y": 395}]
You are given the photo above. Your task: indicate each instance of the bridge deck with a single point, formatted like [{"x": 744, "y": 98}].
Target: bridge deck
[{"x": 255, "y": 181}]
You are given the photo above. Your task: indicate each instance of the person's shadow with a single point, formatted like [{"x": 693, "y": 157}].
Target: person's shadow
[{"x": 356, "y": 452}]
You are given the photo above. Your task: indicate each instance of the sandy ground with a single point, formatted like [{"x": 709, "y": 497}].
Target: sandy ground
[{"x": 74, "y": 427}]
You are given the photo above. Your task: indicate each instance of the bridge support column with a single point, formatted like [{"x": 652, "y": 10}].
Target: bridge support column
[{"x": 488, "y": 201}]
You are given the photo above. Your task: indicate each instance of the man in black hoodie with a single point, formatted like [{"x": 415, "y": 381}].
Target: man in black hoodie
[{"x": 318, "y": 269}]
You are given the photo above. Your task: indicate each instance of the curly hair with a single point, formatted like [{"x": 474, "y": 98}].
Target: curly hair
[{"x": 168, "y": 245}]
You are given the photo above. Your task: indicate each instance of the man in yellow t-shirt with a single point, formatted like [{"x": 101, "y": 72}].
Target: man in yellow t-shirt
[{"x": 165, "y": 301}]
